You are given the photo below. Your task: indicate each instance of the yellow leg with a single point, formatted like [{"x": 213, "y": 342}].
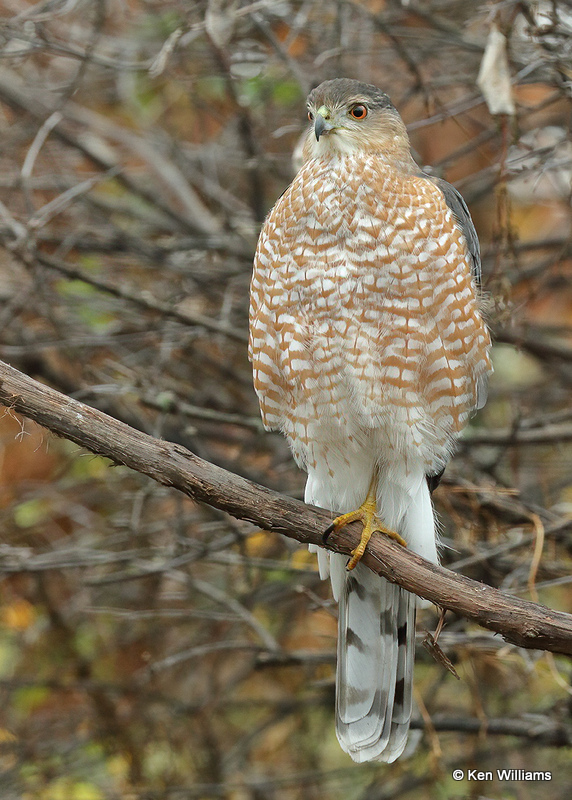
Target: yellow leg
[{"x": 366, "y": 513}]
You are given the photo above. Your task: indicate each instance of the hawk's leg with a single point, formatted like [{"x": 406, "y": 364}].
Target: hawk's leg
[{"x": 366, "y": 513}]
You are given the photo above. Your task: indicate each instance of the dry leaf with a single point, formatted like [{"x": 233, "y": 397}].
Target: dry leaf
[
  {"x": 494, "y": 75},
  {"x": 219, "y": 21}
]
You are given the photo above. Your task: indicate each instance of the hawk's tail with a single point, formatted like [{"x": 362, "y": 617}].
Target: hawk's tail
[
  {"x": 376, "y": 633},
  {"x": 376, "y": 647}
]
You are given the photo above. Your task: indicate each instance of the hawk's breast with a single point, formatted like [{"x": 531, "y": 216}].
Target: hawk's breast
[{"x": 364, "y": 306}]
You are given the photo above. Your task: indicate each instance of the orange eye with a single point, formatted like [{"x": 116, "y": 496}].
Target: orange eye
[
  {"x": 310, "y": 116},
  {"x": 358, "y": 112}
]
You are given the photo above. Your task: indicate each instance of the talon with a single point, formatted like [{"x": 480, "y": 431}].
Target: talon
[
  {"x": 327, "y": 533},
  {"x": 342, "y": 521},
  {"x": 367, "y": 514}
]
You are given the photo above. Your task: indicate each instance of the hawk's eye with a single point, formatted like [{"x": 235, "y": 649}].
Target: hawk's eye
[
  {"x": 310, "y": 116},
  {"x": 358, "y": 112}
]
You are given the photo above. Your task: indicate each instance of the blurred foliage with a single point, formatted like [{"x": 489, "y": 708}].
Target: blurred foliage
[{"x": 150, "y": 647}]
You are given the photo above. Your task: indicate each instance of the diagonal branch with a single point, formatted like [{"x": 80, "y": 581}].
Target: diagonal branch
[{"x": 519, "y": 621}]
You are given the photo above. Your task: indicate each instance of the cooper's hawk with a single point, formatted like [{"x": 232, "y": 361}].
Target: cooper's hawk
[{"x": 369, "y": 353}]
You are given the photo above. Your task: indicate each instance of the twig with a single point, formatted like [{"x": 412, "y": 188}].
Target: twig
[
  {"x": 542, "y": 349},
  {"x": 171, "y": 404},
  {"x": 536, "y": 728},
  {"x": 520, "y": 436},
  {"x": 19, "y": 97},
  {"x": 138, "y": 298}
]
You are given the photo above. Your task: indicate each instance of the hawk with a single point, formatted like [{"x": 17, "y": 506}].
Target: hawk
[{"x": 369, "y": 353}]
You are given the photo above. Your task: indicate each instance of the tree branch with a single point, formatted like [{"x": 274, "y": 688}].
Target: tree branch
[{"x": 519, "y": 621}]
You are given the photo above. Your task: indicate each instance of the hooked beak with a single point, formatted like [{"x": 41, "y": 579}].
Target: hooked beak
[{"x": 322, "y": 124}]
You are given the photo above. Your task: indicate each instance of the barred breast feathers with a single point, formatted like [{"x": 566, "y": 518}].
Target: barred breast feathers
[{"x": 332, "y": 314}]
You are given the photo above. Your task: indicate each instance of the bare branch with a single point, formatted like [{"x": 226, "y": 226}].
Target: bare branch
[{"x": 519, "y": 621}]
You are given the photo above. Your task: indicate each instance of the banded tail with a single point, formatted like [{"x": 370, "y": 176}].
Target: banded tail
[{"x": 376, "y": 627}]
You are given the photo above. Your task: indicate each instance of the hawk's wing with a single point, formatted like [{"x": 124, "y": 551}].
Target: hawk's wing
[
  {"x": 459, "y": 208},
  {"x": 463, "y": 218}
]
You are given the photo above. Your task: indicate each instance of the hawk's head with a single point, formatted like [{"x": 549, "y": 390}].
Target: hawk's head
[{"x": 349, "y": 116}]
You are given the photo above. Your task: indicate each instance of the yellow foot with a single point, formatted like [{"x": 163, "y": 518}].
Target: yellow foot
[{"x": 366, "y": 513}]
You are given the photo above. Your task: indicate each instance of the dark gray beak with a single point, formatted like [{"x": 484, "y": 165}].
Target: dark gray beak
[{"x": 320, "y": 126}]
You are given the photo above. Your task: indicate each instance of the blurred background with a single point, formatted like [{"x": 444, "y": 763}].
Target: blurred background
[{"x": 151, "y": 647}]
